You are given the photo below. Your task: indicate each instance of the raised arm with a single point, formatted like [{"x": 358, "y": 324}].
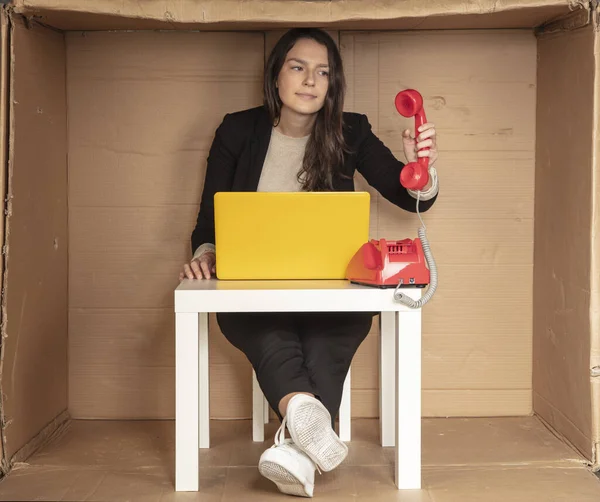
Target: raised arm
[{"x": 382, "y": 170}]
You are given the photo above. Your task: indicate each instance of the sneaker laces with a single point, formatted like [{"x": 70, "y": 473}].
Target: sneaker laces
[
  {"x": 280, "y": 434},
  {"x": 281, "y": 440}
]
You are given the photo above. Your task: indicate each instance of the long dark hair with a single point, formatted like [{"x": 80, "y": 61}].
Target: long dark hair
[{"x": 324, "y": 155}]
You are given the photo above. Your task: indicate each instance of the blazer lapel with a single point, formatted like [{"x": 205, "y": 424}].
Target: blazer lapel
[{"x": 258, "y": 149}]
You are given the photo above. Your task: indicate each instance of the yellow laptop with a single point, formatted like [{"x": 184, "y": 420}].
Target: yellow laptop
[{"x": 288, "y": 235}]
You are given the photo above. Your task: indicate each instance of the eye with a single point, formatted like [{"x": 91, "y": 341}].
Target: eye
[
  {"x": 324, "y": 73},
  {"x": 296, "y": 68}
]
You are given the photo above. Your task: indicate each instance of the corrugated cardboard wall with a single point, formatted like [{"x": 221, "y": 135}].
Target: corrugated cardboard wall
[
  {"x": 563, "y": 234},
  {"x": 143, "y": 108},
  {"x": 34, "y": 372},
  {"x": 480, "y": 92}
]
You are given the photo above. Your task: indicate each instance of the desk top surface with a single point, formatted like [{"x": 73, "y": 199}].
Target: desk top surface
[
  {"x": 299, "y": 295},
  {"x": 297, "y": 285}
]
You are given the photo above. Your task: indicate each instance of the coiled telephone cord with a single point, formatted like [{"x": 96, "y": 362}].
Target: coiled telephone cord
[{"x": 407, "y": 300}]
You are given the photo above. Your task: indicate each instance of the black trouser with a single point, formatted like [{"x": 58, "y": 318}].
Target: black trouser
[{"x": 298, "y": 352}]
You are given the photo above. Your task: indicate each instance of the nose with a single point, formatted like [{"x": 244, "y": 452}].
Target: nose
[{"x": 309, "y": 80}]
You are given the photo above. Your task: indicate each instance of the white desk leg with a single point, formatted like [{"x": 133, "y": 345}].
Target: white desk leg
[
  {"x": 203, "y": 381},
  {"x": 258, "y": 409},
  {"x": 346, "y": 409},
  {"x": 387, "y": 385},
  {"x": 186, "y": 402},
  {"x": 408, "y": 400}
]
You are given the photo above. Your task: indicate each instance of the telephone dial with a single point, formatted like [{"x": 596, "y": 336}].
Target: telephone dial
[{"x": 401, "y": 263}]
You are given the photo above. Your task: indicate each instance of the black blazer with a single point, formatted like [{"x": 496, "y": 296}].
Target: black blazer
[{"x": 240, "y": 146}]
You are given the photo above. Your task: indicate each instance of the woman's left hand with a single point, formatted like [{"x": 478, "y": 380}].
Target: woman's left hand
[{"x": 426, "y": 138}]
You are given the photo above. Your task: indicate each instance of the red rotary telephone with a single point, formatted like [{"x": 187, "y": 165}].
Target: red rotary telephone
[{"x": 400, "y": 263}]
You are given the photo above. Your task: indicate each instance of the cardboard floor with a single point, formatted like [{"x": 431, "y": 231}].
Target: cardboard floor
[{"x": 503, "y": 460}]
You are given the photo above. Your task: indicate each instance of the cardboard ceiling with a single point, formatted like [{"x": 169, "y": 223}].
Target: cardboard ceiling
[{"x": 337, "y": 14}]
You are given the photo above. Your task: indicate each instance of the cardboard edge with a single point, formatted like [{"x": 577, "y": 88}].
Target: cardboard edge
[
  {"x": 572, "y": 21},
  {"x": 54, "y": 430},
  {"x": 4, "y": 115},
  {"x": 275, "y": 12},
  {"x": 7, "y": 152},
  {"x": 595, "y": 255}
]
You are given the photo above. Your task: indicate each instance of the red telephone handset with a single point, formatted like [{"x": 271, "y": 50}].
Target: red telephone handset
[{"x": 414, "y": 175}]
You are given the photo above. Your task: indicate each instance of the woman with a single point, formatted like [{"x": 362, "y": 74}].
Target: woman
[{"x": 300, "y": 139}]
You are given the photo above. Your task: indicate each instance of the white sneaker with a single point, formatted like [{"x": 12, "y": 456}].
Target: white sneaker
[
  {"x": 309, "y": 424},
  {"x": 288, "y": 467}
]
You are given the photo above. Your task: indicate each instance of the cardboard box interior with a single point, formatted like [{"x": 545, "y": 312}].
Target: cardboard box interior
[{"x": 104, "y": 139}]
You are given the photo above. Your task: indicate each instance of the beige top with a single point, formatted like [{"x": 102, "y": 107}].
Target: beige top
[{"x": 282, "y": 164}]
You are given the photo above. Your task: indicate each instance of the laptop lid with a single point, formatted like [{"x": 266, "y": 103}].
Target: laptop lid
[{"x": 288, "y": 235}]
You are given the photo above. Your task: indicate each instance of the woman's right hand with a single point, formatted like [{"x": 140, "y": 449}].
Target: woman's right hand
[{"x": 202, "y": 267}]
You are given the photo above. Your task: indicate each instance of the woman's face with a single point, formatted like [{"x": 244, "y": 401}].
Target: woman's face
[{"x": 304, "y": 77}]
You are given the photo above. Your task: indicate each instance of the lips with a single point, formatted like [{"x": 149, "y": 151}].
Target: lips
[{"x": 306, "y": 96}]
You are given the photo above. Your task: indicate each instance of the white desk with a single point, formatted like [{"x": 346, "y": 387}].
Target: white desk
[{"x": 400, "y": 391}]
